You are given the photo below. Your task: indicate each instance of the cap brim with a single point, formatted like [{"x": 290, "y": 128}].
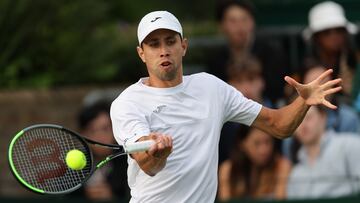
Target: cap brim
[{"x": 154, "y": 29}]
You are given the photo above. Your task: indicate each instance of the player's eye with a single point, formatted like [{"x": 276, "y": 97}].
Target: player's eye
[
  {"x": 171, "y": 41},
  {"x": 153, "y": 44}
]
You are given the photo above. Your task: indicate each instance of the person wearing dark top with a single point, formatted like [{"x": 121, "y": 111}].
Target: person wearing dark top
[
  {"x": 329, "y": 42},
  {"x": 237, "y": 21},
  {"x": 246, "y": 77},
  {"x": 110, "y": 181}
]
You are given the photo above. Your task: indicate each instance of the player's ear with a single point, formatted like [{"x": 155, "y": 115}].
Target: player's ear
[
  {"x": 184, "y": 45},
  {"x": 140, "y": 52}
]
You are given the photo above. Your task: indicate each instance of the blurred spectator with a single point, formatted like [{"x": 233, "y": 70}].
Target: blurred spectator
[
  {"x": 330, "y": 43},
  {"x": 250, "y": 64},
  {"x": 329, "y": 164},
  {"x": 237, "y": 21},
  {"x": 246, "y": 77},
  {"x": 110, "y": 181},
  {"x": 254, "y": 169},
  {"x": 343, "y": 119}
]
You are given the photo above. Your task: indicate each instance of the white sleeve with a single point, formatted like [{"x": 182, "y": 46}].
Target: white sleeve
[
  {"x": 238, "y": 108},
  {"x": 127, "y": 122}
]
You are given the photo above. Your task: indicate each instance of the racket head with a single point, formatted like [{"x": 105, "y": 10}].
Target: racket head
[{"x": 37, "y": 159}]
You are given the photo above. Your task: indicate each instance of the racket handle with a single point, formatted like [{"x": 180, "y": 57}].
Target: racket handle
[{"x": 139, "y": 146}]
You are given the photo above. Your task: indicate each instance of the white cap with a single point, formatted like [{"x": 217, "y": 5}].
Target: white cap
[
  {"x": 157, "y": 20},
  {"x": 327, "y": 15}
]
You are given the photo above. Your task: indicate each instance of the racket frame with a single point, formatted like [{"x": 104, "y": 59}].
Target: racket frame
[
  {"x": 82, "y": 139},
  {"x": 121, "y": 150}
]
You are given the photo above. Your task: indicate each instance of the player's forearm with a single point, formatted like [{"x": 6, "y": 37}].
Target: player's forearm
[
  {"x": 288, "y": 118},
  {"x": 149, "y": 164},
  {"x": 154, "y": 159}
]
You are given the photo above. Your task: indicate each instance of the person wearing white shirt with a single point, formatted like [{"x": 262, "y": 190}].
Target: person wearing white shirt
[{"x": 328, "y": 161}]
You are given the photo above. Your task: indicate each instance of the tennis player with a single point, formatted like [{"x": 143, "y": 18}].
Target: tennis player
[{"x": 185, "y": 114}]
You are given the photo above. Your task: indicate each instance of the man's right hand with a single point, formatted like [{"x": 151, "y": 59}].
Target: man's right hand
[
  {"x": 154, "y": 160},
  {"x": 162, "y": 147}
]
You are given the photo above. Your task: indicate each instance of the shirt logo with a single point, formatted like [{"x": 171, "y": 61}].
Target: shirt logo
[
  {"x": 155, "y": 19},
  {"x": 159, "y": 108}
]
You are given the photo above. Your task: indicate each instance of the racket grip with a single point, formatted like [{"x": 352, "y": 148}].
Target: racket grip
[{"x": 139, "y": 146}]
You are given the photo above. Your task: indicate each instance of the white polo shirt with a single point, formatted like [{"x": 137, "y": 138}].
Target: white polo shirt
[
  {"x": 193, "y": 113},
  {"x": 335, "y": 173}
]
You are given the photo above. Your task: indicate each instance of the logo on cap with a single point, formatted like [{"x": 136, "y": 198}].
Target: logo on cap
[{"x": 155, "y": 19}]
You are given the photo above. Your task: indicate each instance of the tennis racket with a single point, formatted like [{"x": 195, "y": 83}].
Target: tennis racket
[{"x": 37, "y": 158}]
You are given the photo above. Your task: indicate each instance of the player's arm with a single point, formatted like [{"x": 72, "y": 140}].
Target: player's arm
[
  {"x": 282, "y": 122},
  {"x": 154, "y": 160}
]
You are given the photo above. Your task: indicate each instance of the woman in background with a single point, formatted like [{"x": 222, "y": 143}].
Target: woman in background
[
  {"x": 329, "y": 36},
  {"x": 254, "y": 169}
]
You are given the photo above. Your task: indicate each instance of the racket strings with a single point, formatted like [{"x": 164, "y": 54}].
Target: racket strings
[{"x": 39, "y": 159}]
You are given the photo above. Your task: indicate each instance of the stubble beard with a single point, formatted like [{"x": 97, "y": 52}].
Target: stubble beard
[{"x": 168, "y": 75}]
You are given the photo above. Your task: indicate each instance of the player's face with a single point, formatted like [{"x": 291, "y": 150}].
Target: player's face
[
  {"x": 258, "y": 146},
  {"x": 238, "y": 25},
  {"x": 162, "y": 51},
  {"x": 311, "y": 129}
]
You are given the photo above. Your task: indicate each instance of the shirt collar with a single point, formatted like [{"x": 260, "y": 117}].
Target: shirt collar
[{"x": 161, "y": 91}]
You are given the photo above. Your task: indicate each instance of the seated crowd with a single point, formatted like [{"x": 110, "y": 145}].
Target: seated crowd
[{"x": 321, "y": 159}]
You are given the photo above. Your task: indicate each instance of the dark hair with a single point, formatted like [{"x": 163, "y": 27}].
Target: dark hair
[
  {"x": 90, "y": 112},
  {"x": 313, "y": 51},
  {"x": 295, "y": 146},
  {"x": 311, "y": 63},
  {"x": 241, "y": 164},
  {"x": 223, "y": 5},
  {"x": 248, "y": 68}
]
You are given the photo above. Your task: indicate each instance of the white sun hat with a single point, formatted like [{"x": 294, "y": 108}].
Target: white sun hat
[
  {"x": 157, "y": 20},
  {"x": 327, "y": 15}
]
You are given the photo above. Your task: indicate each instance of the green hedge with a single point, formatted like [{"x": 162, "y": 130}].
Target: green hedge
[
  {"x": 47, "y": 43},
  {"x": 50, "y": 43}
]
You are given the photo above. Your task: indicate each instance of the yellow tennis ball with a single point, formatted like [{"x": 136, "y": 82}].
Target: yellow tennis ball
[{"x": 75, "y": 159}]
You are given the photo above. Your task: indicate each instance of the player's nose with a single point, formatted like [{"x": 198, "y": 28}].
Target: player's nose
[{"x": 164, "y": 51}]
